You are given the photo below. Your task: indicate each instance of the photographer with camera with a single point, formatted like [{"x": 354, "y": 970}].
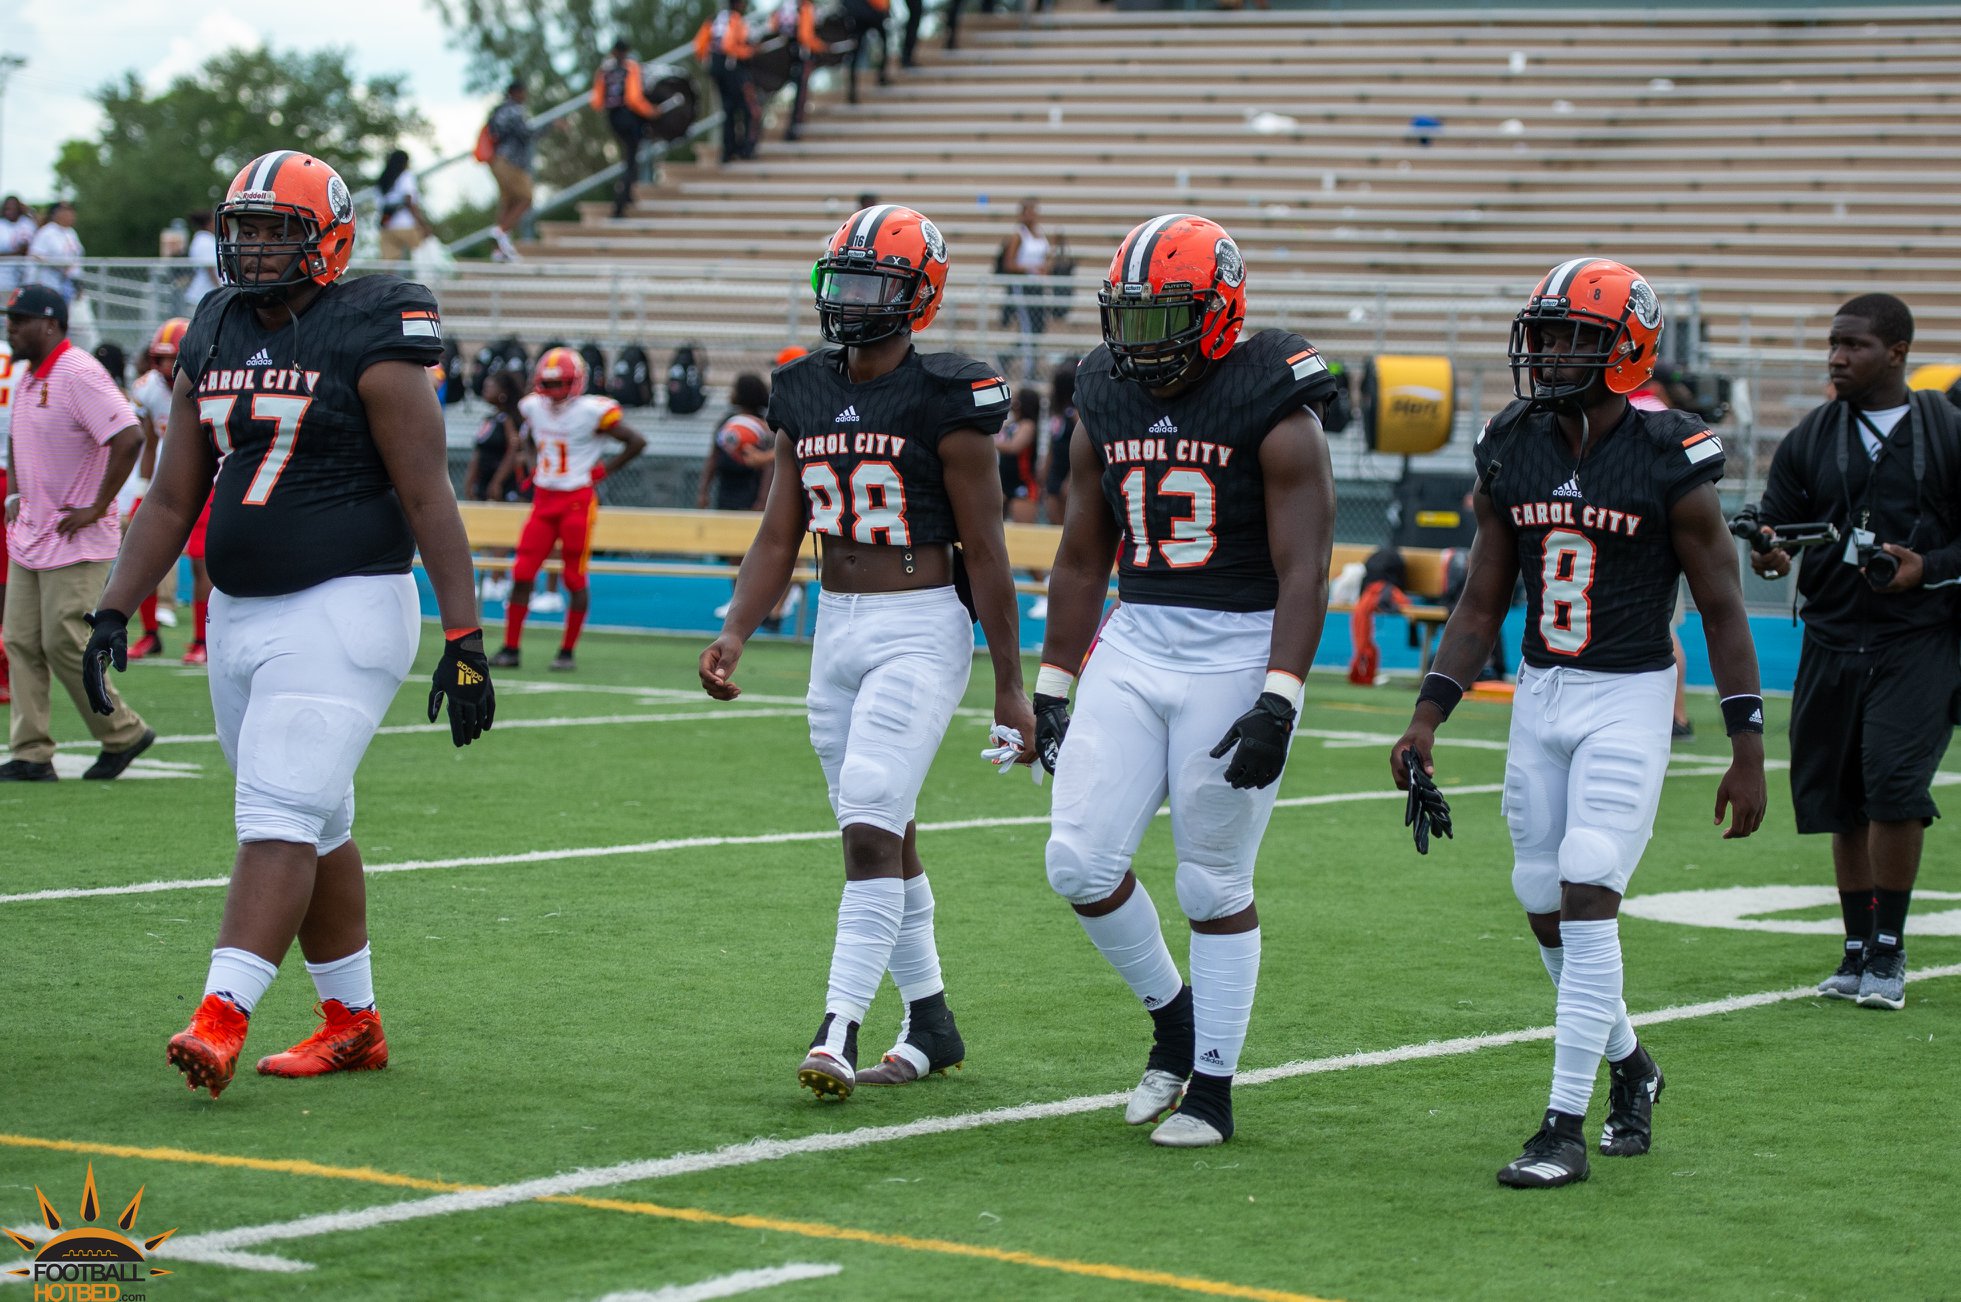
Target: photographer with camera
[{"x": 1874, "y": 702}]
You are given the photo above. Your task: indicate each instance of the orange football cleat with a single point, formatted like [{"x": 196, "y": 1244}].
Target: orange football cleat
[
  {"x": 206, "y": 1051},
  {"x": 150, "y": 644},
  {"x": 346, "y": 1041},
  {"x": 195, "y": 654}
]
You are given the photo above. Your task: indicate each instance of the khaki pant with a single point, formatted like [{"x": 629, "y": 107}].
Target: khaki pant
[
  {"x": 46, "y": 632},
  {"x": 397, "y": 245},
  {"x": 513, "y": 182}
]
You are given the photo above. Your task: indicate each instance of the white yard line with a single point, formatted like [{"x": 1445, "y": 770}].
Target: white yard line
[
  {"x": 562, "y": 721},
  {"x": 742, "y": 1281},
  {"x": 770, "y": 1150},
  {"x": 679, "y": 843}
]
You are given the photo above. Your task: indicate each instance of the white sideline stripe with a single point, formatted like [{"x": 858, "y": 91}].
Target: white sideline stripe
[
  {"x": 770, "y": 1150},
  {"x": 681, "y": 843},
  {"x": 742, "y": 1281},
  {"x": 169, "y": 1251},
  {"x": 565, "y": 721}
]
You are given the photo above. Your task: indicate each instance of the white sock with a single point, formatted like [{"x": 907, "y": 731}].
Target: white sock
[
  {"x": 1130, "y": 937},
  {"x": 1621, "y": 1040},
  {"x": 240, "y": 976},
  {"x": 1589, "y": 1005},
  {"x": 869, "y": 917},
  {"x": 1225, "y": 972},
  {"x": 915, "y": 958},
  {"x": 350, "y": 980}
]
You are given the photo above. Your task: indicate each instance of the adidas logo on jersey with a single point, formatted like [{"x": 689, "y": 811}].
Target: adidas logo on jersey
[
  {"x": 1164, "y": 426},
  {"x": 1571, "y": 488},
  {"x": 849, "y": 413},
  {"x": 260, "y": 358}
]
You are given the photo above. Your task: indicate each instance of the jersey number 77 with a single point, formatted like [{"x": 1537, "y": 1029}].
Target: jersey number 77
[{"x": 283, "y": 411}]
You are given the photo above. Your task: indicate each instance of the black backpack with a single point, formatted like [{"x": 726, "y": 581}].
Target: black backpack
[
  {"x": 685, "y": 371},
  {"x": 632, "y": 383},
  {"x": 505, "y": 354},
  {"x": 595, "y": 358}
]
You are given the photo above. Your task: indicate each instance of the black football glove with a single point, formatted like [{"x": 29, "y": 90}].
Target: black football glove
[
  {"x": 109, "y": 642},
  {"x": 1051, "y": 726},
  {"x": 1261, "y": 734},
  {"x": 1427, "y": 811},
  {"x": 463, "y": 674}
]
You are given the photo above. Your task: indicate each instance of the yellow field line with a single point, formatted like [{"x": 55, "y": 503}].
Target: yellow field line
[{"x": 804, "y": 1229}]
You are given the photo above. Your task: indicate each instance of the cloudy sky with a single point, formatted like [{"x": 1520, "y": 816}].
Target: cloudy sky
[{"x": 73, "y": 46}]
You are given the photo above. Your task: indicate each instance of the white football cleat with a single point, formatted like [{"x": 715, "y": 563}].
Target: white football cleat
[
  {"x": 1154, "y": 1096},
  {"x": 1183, "y": 1130}
]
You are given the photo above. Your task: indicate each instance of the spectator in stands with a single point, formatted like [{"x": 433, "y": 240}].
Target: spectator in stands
[
  {"x": 16, "y": 233},
  {"x": 868, "y": 19},
  {"x": 1027, "y": 252},
  {"x": 511, "y": 139},
  {"x": 1017, "y": 447},
  {"x": 202, "y": 254},
  {"x": 1055, "y": 448},
  {"x": 492, "y": 472},
  {"x": 722, "y": 46},
  {"x": 403, "y": 225},
  {"x": 909, "y": 42},
  {"x": 57, "y": 252},
  {"x": 797, "y": 20},
  {"x": 618, "y": 93}
]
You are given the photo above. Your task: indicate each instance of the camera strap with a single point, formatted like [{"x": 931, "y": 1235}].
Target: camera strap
[{"x": 1886, "y": 444}]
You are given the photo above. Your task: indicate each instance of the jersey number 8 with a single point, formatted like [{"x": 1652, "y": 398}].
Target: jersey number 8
[
  {"x": 1565, "y": 609},
  {"x": 878, "y": 502}
]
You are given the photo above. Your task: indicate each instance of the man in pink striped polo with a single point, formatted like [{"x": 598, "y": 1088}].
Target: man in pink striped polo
[{"x": 74, "y": 441}]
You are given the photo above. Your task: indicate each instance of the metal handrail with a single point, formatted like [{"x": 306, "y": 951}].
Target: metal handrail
[{"x": 679, "y": 54}]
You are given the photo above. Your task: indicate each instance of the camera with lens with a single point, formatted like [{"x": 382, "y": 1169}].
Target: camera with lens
[
  {"x": 1748, "y": 524},
  {"x": 1881, "y": 567}
]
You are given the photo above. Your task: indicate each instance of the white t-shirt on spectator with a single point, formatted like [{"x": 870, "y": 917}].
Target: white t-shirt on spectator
[
  {"x": 203, "y": 254},
  {"x": 59, "y": 249},
  {"x": 398, "y": 197}
]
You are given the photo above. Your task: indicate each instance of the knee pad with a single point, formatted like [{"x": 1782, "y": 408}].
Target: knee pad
[
  {"x": 575, "y": 581},
  {"x": 870, "y": 790},
  {"x": 338, "y": 830},
  {"x": 1536, "y": 884},
  {"x": 1078, "y": 873},
  {"x": 1590, "y": 857},
  {"x": 1206, "y": 893},
  {"x": 262, "y": 816},
  {"x": 296, "y": 760}
]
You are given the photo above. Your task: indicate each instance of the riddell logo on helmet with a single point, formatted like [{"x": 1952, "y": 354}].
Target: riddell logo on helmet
[{"x": 254, "y": 196}]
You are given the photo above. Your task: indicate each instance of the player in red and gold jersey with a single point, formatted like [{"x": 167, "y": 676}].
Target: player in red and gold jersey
[{"x": 565, "y": 428}]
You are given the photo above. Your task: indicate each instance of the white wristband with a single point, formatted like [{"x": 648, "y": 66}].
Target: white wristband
[
  {"x": 1285, "y": 686},
  {"x": 1051, "y": 680}
]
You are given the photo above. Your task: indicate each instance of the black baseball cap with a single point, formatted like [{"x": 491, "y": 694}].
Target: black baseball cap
[{"x": 38, "y": 300}]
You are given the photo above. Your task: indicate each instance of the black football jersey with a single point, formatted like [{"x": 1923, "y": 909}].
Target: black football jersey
[
  {"x": 1593, "y": 547},
  {"x": 1182, "y": 475},
  {"x": 870, "y": 453},
  {"x": 302, "y": 495}
]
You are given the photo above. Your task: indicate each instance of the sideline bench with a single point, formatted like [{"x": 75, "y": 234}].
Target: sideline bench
[{"x": 712, "y": 535}]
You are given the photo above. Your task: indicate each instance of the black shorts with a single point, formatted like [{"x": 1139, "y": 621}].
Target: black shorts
[{"x": 1868, "y": 729}]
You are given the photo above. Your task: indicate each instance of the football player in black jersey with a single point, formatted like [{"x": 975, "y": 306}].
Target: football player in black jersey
[
  {"x": 887, "y": 454},
  {"x": 327, "y": 446},
  {"x": 1203, "y": 474},
  {"x": 1602, "y": 507}
]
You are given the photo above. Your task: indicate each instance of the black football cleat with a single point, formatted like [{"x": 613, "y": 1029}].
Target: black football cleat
[
  {"x": 563, "y": 663},
  {"x": 929, "y": 1045},
  {"x": 1633, "y": 1089},
  {"x": 1555, "y": 1156},
  {"x": 506, "y": 658}
]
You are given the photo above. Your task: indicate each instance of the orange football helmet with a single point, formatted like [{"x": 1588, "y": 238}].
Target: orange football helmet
[
  {"x": 165, "y": 343},
  {"x": 1615, "y": 323},
  {"x": 561, "y": 374},
  {"x": 1174, "y": 299},
  {"x": 318, "y": 216},
  {"x": 883, "y": 272}
]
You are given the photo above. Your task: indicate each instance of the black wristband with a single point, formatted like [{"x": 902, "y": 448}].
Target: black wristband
[
  {"x": 1440, "y": 690},
  {"x": 1743, "y": 714}
]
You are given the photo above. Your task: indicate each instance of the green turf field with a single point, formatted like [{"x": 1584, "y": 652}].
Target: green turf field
[{"x": 606, "y": 951}]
